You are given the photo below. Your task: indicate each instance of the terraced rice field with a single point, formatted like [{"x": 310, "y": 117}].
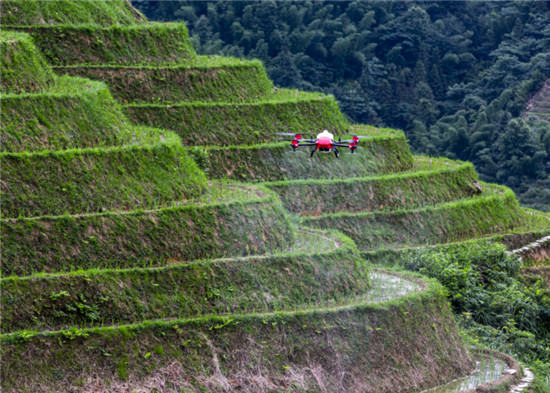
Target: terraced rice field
[{"x": 166, "y": 232}]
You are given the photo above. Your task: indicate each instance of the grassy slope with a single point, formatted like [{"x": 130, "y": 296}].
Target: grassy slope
[
  {"x": 53, "y": 12},
  {"x": 276, "y": 161},
  {"x": 151, "y": 43},
  {"x": 72, "y": 113},
  {"x": 492, "y": 212},
  {"x": 430, "y": 182},
  {"x": 23, "y": 69},
  {"x": 252, "y": 223},
  {"x": 235, "y": 124},
  {"x": 152, "y": 172},
  {"x": 204, "y": 78},
  {"x": 279, "y": 345},
  {"x": 305, "y": 278}
]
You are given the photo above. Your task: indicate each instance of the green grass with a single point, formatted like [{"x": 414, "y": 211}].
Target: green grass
[
  {"x": 491, "y": 212},
  {"x": 513, "y": 239},
  {"x": 252, "y": 224},
  {"x": 152, "y": 43},
  {"x": 285, "y": 281},
  {"x": 153, "y": 171},
  {"x": 250, "y": 123},
  {"x": 102, "y": 228},
  {"x": 284, "y": 344},
  {"x": 429, "y": 183},
  {"x": 23, "y": 68},
  {"x": 277, "y": 161},
  {"x": 72, "y": 113},
  {"x": 218, "y": 79},
  {"x": 38, "y": 12}
]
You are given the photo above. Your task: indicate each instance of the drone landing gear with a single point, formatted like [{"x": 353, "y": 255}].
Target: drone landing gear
[
  {"x": 336, "y": 153},
  {"x": 312, "y": 152}
]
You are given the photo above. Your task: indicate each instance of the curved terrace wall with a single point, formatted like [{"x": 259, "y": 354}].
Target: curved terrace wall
[
  {"x": 311, "y": 350},
  {"x": 304, "y": 275},
  {"x": 146, "y": 43},
  {"x": 244, "y": 123},
  {"x": 253, "y": 222},
  {"x": 430, "y": 182},
  {"x": 200, "y": 79},
  {"x": 73, "y": 113},
  {"x": 51, "y": 12},
  {"x": 23, "y": 68},
  {"x": 153, "y": 172},
  {"x": 489, "y": 213},
  {"x": 277, "y": 161}
]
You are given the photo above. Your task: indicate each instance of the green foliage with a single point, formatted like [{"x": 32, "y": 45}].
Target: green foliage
[
  {"x": 311, "y": 276},
  {"x": 64, "y": 45},
  {"x": 430, "y": 182},
  {"x": 153, "y": 172},
  {"x": 247, "y": 124},
  {"x": 72, "y": 113},
  {"x": 23, "y": 69},
  {"x": 38, "y": 12},
  {"x": 355, "y": 335},
  {"x": 206, "y": 79},
  {"x": 491, "y": 212},
  {"x": 453, "y": 76},
  {"x": 276, "y": 161},
  {"x": 483, "y": 281},
  {"x": 222, "y": 223}
]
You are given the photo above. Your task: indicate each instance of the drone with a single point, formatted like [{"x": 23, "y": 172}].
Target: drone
[{"x": 324, "y": 142}]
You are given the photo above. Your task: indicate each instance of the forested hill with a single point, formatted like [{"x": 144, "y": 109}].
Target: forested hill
[{"x": 455, "y": 76}]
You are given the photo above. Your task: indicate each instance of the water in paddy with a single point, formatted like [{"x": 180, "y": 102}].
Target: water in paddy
[
  {"x": 387, "y": 287},
  {"x": 488, "y": 369}
]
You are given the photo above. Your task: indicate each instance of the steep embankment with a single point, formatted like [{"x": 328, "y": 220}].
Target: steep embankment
[{"x": 129, "y": 286}]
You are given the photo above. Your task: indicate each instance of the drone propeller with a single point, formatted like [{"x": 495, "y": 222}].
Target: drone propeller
[
  {"x": 355, "y": 139},
  {"x": 287, "y": 133}
]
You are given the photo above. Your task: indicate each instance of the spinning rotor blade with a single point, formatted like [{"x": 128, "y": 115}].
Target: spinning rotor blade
[
  {"x": 287, "y": 133},
  {"x": 356, "y": 138}
]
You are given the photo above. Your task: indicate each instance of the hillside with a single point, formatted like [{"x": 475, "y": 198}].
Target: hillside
[
  {"x": 539, "y": 105},
  {"x": 156, "y": 235},
  {"x": 456, "y": 77}
]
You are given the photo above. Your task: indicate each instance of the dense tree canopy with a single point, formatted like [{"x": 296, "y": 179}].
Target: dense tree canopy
[{"x": 454, "y": 75}]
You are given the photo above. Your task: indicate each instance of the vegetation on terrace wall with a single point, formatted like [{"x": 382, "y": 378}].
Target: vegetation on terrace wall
[
  {"x": 223, "y": 79},
  {"x": 33, "y": 12},
  {"x": 486, "y": 214},
  {"x": 355, "y": 338},
  {"x": 453, "y": 75},
  {"x": 140, "y": 176},
  {"x": 427, "y": 184},
  {"x": 249, "y": 225},
  {"x": 246, "y": 124},
  {"x": 273, "y": 162},
  {"x": 72, "y": 113},
  {"x": 496, "y": 305},
  {"x": 289, "y": 281},
  {"x": 23, "y": 69},
  {"x": 161, "y": 44}
]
